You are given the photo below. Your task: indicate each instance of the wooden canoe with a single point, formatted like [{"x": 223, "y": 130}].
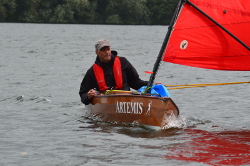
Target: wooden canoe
[{"x": 124, "y": 107}]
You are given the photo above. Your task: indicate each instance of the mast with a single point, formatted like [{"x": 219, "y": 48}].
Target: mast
[{"x": 164, "y": 44}]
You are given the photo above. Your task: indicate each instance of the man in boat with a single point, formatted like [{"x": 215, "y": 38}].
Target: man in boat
[{"x": 109, "y": 72}]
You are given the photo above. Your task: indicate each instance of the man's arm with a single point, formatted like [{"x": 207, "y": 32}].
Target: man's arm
[{"x": 86, "y": 86}]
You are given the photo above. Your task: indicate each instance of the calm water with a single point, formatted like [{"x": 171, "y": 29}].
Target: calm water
[{"x": 42, "y": 120}]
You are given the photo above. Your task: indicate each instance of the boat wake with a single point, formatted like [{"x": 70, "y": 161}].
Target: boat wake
[{"x": 171, "y": 121}]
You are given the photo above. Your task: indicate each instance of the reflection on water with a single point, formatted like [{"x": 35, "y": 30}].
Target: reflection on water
[
  {"x": 144, "y": 132},
  {"x": 132, "y": 130},
  {"x": 187, "y": 144},
  {"x": 214, "y": 148}
]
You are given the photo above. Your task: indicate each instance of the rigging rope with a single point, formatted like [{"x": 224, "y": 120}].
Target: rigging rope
[
  {"x": 182, "y": 86},
  {"x": 203, "y": 85}
]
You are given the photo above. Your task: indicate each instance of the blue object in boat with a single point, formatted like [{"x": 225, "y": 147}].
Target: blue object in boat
[{"x": 157, "y": 89}]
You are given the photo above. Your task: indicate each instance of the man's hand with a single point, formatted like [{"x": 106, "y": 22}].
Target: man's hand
[{"x": 91, "y": 93}]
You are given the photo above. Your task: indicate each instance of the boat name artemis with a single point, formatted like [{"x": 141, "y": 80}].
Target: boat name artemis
[{"x": 129, "y": 107}]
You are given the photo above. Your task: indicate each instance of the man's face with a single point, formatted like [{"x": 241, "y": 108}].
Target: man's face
[{"x": 104, "y": 54}]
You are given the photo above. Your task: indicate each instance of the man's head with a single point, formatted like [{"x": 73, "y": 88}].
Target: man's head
[
  {"x": 102, "y": 49},
  {"x": 102, "y": 43}
]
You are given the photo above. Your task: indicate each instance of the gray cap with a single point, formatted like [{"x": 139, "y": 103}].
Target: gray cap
[{"x": 102, "y": 43}]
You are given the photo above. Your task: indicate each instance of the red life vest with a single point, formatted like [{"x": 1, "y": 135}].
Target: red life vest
[{"x": 117, "y": 70}]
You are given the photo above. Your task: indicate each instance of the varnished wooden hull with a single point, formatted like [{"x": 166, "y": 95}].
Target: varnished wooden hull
[{"x": 128, "y": 108}]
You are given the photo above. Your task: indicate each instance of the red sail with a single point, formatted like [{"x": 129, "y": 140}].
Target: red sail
[{"x": 197, "y": 41}]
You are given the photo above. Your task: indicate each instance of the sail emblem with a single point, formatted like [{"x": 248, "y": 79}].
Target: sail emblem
[{"x": 184, "y": 44}]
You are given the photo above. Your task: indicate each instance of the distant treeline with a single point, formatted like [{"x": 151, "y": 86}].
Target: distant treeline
[{"x": 122, "y": 12}]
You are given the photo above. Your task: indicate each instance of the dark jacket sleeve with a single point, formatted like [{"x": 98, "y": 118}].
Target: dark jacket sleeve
[
  {"x": 88, "y": 83},
  {"x": 132, "y": 75}
]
